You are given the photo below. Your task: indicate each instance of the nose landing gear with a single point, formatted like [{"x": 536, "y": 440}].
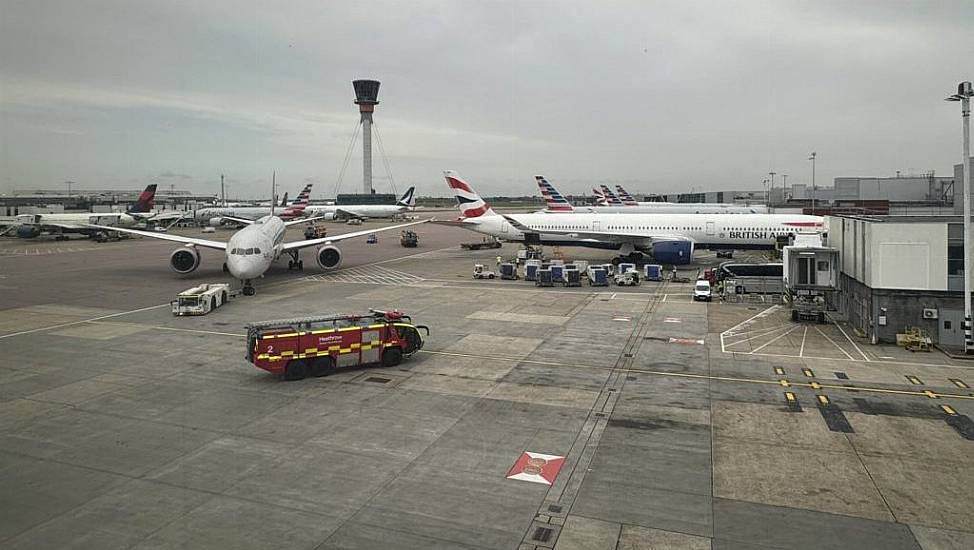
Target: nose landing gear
[{"x": 248, "y": 288}]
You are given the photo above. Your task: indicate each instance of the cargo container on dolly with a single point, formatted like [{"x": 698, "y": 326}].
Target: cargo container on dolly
[{"x": 317, "y": 346}]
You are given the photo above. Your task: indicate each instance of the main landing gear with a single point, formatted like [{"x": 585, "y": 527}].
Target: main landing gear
[
  {"x": 248, "y": 288},
  {"x": 631, "y": 258},
  {"x": 295, "y": 262}
]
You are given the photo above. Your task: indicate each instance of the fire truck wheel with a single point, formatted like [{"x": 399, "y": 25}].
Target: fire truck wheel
[
  {"x": 296, "y": 370},
  {"x": 391, "y": 357},
  {"x": 322, "y": 366}
]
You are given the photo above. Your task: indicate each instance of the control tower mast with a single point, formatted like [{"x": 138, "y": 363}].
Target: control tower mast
[{"x": 366, "y": 97}]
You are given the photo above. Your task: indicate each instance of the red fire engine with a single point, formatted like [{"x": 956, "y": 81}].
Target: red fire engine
[{"x": 317, "y": 346}]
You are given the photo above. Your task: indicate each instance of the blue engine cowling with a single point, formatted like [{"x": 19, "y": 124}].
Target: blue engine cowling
[
  {"x": 27, "y": 231},
  {"x": 673, "y": 252}
]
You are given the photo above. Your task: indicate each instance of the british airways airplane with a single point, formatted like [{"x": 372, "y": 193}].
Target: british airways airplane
[{"x": 669, "y": 238}]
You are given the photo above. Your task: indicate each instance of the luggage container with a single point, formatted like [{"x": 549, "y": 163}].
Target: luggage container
[
  {"x": 508, "y": 272},
  {"x": 581, "y": 265},
  {"x": 531, "y": 270},
  {"x": 598, "y": 276},
  {"x": 653, "y": 272},
  {"x": 544, "y": 278},
  {"x": 557, "y": 273},
  {"x": 573, "y": 277}
]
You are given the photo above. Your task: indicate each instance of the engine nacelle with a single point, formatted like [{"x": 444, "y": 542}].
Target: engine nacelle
[
  {"x": 329, "y": 257},
  {"x": 215, "y": 222},
  {"x": 27, "y": 231},
  {"x": 184, "y": 260},
  {"x": 673, "y": 252}
]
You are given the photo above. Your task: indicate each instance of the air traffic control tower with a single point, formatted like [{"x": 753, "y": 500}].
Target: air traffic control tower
[{"x": 366, "y": 97}]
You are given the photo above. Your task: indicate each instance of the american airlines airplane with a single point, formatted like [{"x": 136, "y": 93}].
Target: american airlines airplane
[
  {"x": 218, "y": 216},
  {"x": 251, "y": 251},
  {"x": 332, "y": 211},
  {"x": 556, "y": 202},
  {"x": 669, "y": 238}
]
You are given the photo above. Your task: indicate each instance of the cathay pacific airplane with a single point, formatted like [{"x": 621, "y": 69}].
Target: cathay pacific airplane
[
  {"x": 669, "y": 238},
  {"x": 332, "y": 211},
  {"x": 556, "y": 202}
]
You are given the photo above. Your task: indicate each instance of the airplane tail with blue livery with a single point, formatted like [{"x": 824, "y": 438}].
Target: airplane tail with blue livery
[{"x": 554, "y": 201}]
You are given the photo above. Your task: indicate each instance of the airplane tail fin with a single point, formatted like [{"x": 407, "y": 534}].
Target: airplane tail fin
[
  {"x": 144, "y": 203},
  {"x": 470, "y": 203},
  {"x": 627, "y": 199},
  {"x": 408, "y": 198},
  {"x": 610, "y": 197},
  {"x": 303, "y": 197},
  {"x": 600, "y": 198},
  {"x": 554, "y": 201}
]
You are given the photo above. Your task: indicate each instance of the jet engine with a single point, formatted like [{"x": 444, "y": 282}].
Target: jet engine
[
  {"x": 329, "y": 257},
  {"x": 673, "y": 252},
  {"x": 28, "y": 231},
  {"x": 184, "y": 260}
]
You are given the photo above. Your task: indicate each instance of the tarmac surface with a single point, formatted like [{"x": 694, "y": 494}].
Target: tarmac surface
[{"x": 682, "y": 425}]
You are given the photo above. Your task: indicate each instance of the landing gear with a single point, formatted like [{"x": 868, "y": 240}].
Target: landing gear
[
  {"x": 225, "y": 268},
  {"x": 248, "y": 288},
  {"x": 295, "y": 262},
  {"x": 631, "y": 258}
]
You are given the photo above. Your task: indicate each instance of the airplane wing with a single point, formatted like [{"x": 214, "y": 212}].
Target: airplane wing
[
  {"x": 599, "y": 236},
  {"x": 219, "y": 245},
  {"x": 243, "y": 221},
  {"x": 336, "y": 238}
]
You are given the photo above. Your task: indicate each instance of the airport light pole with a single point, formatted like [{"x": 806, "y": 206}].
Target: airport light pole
[
  {"x": 69, "y": 186},
  {"x": 964, "y": 93},
  {"x": 812, "y": 158},
  {"x": 770, "y": 191}
]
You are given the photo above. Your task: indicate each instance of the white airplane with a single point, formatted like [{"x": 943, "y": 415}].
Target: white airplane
[
  {"x": 219, "y": 215},
  {"x": 555, "y": 202},
  {"x": 669, "y": 238},
  {"x": 31, "y": 225},
  {"x": 332, "y": 211},
  {"x": 251, "y": 251}
]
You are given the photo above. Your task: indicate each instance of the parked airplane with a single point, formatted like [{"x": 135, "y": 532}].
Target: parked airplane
[
  {"x": 669, "y": 238},
  {"x": 219, "y": 215},
  {"x": 32, "y": 225},
  {"x": 251, "y": 250},
  {"x": 332, "y": 211},
  {"x": 556, "y": 202}
]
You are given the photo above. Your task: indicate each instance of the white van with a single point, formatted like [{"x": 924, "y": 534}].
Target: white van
[{"x": 701, "y": 290}]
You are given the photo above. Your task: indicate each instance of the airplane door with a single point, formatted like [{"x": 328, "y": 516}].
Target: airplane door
[
  {"x": 596, "y": 225},
  {"x": 504, "y": 226},
  {"x": 710, "y": 228}
]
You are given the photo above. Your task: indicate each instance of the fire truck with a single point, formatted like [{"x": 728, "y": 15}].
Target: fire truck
[{"x": 317, "y": 346}]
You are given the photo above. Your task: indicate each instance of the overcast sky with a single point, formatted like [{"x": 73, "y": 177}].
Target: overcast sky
[{"x": 660, "y": 96}]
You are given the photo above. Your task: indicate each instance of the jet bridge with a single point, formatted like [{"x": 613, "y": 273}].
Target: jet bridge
[{"x": 811, "y": 275}]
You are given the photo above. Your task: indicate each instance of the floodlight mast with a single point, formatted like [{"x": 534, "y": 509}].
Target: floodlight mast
[{"x": 963, "y": 95}]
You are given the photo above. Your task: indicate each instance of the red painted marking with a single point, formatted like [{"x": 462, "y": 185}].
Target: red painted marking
[
  {"x": 803, "y": 224},
  {"x": 457, "y": 184},
  {"x": 536, "y": 468},
  {"x": 474, "y": 212}
]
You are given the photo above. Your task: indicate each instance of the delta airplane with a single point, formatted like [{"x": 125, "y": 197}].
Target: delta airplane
[
  {"x": 331, "y": 211},
  {"x": 31, "y": 225},
  {"x": 218, "y": 216},
  {"x": 669, "y": 238},
  {"x": 556, "y": 202},
  {"x": 251, "y": 250}
]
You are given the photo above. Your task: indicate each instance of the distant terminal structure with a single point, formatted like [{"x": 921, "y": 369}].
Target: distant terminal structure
[{"x": 31, "y": 201}]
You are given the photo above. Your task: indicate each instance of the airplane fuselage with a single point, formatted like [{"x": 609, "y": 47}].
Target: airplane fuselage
[
  {"x": 738, "y": 231},
  {"x": 359, "y": 210},
  {"x": 251, "y": 251}
]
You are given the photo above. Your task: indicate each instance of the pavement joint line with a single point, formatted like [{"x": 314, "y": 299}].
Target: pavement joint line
[
  {"x": 847, "y": 337},
  {"x": 72, "y": 323},
  {"x": 775, "y": 339},
  {"x": 160, "y": 327},
  {"x": 834, "y": 343}
]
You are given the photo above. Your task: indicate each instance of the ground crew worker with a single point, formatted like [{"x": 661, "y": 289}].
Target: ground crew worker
[{"x": 499, "y": 260}]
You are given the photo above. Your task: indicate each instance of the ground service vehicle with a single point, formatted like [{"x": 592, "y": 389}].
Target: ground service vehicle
[
  {"x": 315, "y": 232},
  {"x": 317, "y": 346},
  {"x": 701, "y": 291},
  {"x": 409, "y": 239},
  {"x": 487, "y": 242},
  {"x": 481, "y": 272},
  {"x": 201, "y": 299},
  {"x": 628, "y": 278}
]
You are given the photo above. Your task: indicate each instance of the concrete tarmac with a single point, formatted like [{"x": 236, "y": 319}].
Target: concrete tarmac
[{"x": 682, "y": 425}]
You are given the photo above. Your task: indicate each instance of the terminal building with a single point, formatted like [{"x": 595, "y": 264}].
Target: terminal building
[{"x": 901, "y": 271}]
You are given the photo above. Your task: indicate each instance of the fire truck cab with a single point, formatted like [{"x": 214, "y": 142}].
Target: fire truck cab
[{"x": 317, "y": 346}]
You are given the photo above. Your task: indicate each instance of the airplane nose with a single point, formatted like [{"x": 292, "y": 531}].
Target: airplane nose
[{"x": 242, "y": 269}]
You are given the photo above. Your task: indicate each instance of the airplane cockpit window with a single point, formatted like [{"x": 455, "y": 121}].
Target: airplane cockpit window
[
  {"x": 250, "y": 251},
  {"x": 256, "y": 251}
]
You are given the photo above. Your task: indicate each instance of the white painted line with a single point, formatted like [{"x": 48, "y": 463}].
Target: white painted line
[
  {"x": 758, "y": 332},
  {"x": 801, "y": 351},
  {"x": 775, "y": 339},
  {"x": 664, "y": 298},
  {"x": 763, "y": 334},
  {"x": 850, "y": 341},
  {"x": 835, "y": 344},
  {"x": 62, "y": 325}
]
